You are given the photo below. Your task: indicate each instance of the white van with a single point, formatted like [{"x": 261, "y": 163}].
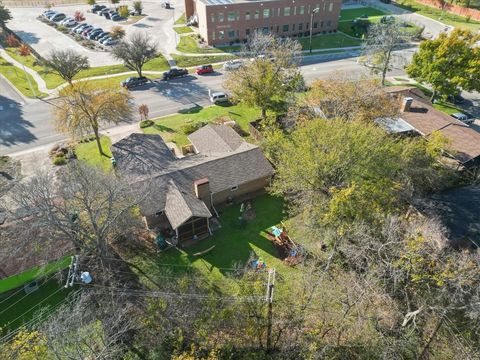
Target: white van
[{"x": 218, "y": 97}]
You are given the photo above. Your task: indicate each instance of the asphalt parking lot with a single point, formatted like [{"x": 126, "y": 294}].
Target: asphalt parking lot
[{"x": 43, "y": 38}]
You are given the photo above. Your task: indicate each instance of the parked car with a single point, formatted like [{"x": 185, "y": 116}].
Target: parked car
[
  {"x": 96, "y": 8},
  {"x": 166, "y": 5},
  {"x": 110, "y": 42},
  {"x": 465, "y": 118},
  {"x": 57, "y": 17},
  {"x": 69, "y": 22},
  {"x": 134, "y": 82},
  {"x": 105, "y": 39},
  {"x": 79, "y": 27},
  {"x": 102, "y": 35},
  {"x": 109, "y": 14},
  {"x": 204, "y": 69},
  {"x": 456, "y": 99},
  {"x": 117, "y": 17},
  {"x": 232, "y": 65},
  {"x": 86, "y": 30},
  {"x": 93, "y": 34},
  {"x": 174, "y": 73},
  {"x": 103, "y": 12},
  {"x": 48, "y": 13},
  {"x": 218, "y": 97}
]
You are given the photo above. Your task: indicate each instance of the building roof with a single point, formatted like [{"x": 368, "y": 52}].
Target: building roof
[
  {"x": 224, "y": 170},
  {"x": 217, "y": 138},
  {"x": 395, "y": 125},
  {"x": 458, "y": 210}
]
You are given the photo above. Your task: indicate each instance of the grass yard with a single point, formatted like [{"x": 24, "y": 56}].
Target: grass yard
[
  {"x": 446, "y": 107},
  {"x": 12, "y": 282},
  {"x": 351, "y": 14},
  {"x": 183, "y": 29},
  {"x": 191, "y": 61},
  {"x": 181, "y": 20},
  {"x": 328, "y": 41},
  {"x": 21, "y": 308},
  {"x": 157, "y": 64},
  {"x": 19, "y": 79},
  {"x": 169, "y": 127},
  {"x": 437, "y": 14},
  {"x": 233, "y": 246},
  {"x": 89, "y": 153},
  {"x": 188, "y": 44}
]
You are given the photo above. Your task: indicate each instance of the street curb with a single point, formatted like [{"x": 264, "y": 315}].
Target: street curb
[{"x": 24, "y": 98}]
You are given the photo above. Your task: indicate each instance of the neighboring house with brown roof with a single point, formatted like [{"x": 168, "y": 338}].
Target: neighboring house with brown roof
[
  {"x": 183, "y": 192},
  {"x": 423, "y": 118}
]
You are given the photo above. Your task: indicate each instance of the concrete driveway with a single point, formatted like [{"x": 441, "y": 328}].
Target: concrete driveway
[{"x": 43, "y": 38}]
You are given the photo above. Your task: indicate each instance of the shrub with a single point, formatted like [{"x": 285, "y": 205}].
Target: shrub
[
  {"x": 12, "y": 41},
  {"x": 145, "y": 123},
  {"x": 63, "y": 29},
  {"x": 117, "y": 32},
  {"x": 78, "y": 16},
  {"x": 191, "y": 127},
  {"x": 91, "y": 2},
  {"x": 59, "y": 160},
  {"x": 123, "y": 11},
  {"x": 138, "y": 7}
]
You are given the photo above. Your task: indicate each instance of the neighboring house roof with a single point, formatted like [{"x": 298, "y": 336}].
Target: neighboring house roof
[
  {"x": 395, "y": 125},
  {"x": 458, "y": 211},
  {"x": 224, "y": 170},
  {"x": 181, "y": 205},
  {"x": 217, "y": 138}
]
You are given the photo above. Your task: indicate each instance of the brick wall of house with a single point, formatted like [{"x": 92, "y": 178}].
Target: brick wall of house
[
  {"x": 223, "y": 24},
  {"x": 453, "y": 8}
]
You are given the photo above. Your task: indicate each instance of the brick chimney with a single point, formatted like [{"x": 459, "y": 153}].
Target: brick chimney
[
  {"x": 406, "y": 104},
  {"x": 202, "y": 190}
]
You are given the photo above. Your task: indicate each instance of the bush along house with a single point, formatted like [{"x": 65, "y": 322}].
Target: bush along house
[{"x": 184, "y": 193}]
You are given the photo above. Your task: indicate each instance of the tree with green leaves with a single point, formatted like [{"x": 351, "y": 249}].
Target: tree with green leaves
[
  {"x": 448, "y": 63},
  {"x": 66, "y": 63},
  {"x": 270, "y": 73},
  {"x": 5, "y": 15},
  {"x": 138, "y": 7},
  {"x": 136, "y": 51}
]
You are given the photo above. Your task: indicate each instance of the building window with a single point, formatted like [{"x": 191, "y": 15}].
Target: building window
[
  {"x": 220, "y": 17},
  {"x": 247, "y": 15},
  {"x": 307, "y": 26},
  {"x": 247, "y": 32},
  {"x": 330, "y": 7},
  {"x": 232, "y": 16},
  {"x": 234, "y": 188},
  {"x": 293, "y": 27},
  {"x": 221, "y": 34},
  {"x": 159, "y": 213},
  {"x": 278, "y": 28},
  {"x": 256, "y": 16},
  {"x": 300, "y": 27},
  {"x": 321, "y": 24},
  {"x": 286, "y": 11},
  {"x": 212, "y": 17},
  {"x": 285, "y": 28},
  {"x": 302, "y": 10},
  {"x": 315, "y": 25},
  {"x": 266, "y": 13},
  {"x": 265, "y": 30},
  {"x": 231, "y": 34},
  {"x": 329, "y": 23}
]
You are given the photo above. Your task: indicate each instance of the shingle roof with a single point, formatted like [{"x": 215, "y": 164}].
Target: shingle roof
[
  {"x": 217, "y": 138},
  {"x": 180, "y": 206}
]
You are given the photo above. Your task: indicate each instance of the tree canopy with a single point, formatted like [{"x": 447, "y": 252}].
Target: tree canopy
[
  {"x": 66, "y": 63},
  {"x": 135, "y": 51},
  {"x": 5, "y": 15},
  {"x": 448, "y": 63}
]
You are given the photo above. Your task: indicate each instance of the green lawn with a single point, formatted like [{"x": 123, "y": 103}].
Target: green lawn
[
  {"x": 188, "y": 44},
  {"x": 181, "y": 20},
  {"x": 329, "y": 41},
  {"x": 22, "y": 308},
  {"x": 157, "y": 64},
  {"x": 169, "y": 127},
  {"x": 351, "y": 14},
  {"x": 190, "y": 61},
  {"x": 114, "y": 81},
  {"x": 12, "y": 282},
  {"x": 233, "y": 246},
  {"x": 19, "y": 79},
  {"x": 89, "y": 153},
  {"x": 183, "y": 29},
  {"x": 437, "y": 14},
  {"x": 446, "y": 107}
]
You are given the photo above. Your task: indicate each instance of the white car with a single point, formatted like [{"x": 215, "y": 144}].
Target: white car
[
  {"x": 232, "y": 65},
  {"x": 69, "y": 22}
]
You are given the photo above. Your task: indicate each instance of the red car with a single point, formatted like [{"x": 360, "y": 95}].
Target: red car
[{"x": 204, "y": 69}]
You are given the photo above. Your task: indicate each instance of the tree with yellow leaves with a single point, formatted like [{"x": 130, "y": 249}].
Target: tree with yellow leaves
[
  {"x": 83, "y": 108},
  {"x": 26, "y": 345}
]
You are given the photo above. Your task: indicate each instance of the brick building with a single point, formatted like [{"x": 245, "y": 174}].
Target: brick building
[{"x": 229, "y": 21}]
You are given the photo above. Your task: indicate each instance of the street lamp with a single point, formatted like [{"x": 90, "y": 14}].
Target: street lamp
[{"x": 314, "y": 11}]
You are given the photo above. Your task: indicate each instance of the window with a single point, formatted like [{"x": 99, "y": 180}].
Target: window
[
  {"x": 286, "y": 11},
  {"x": 232, "y": 16},
  {"x": 300, "y": 27},
  {"x": 247, "y": 32},
  {"x": 307, "y": 26},
  {"x": 159, "y": 213},
  {"x": 231, "y": 34},
  {"x": 266, "y": 13},
  {"x": 302, "y": 10},
  {"x": 285, "y": 28},
  {"x": 278, "y": 28},
  {"x": 234, "y": 188},
  {"x": 221, "y": 34},
  {"x": 247, "y": 15},
  {"x": 329, "y": 23},
  {"x": 256, "y": 16},
  {"x": 212, "y": 17},
  {"x": 315, "y": 25},
  {"x": 220, "y": 17},
  {"x": 265, "y": 30},
  {"x": 293, "y": 27},
  {"x": 321, "y": 24},
  {"x": 330, "y": 7}
]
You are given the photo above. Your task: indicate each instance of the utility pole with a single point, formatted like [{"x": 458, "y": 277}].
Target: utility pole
[
  {"x": 72, "y": 271},
  {"x": 269, "y": 300}
]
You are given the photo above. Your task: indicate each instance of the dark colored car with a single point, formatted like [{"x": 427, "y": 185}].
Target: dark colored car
[
  {"x": 109, "y": 14},
  {"x": 204, "y": 69},
  {"x": 134, "y": 81},
  {"x": 94, "y": 33},
  {"x": 456, "y": 99},
  {"x": 102, "y": 35},
  {"x": 174, "y": 73},
  {"x": 87, "y": 30},
  {"x": 103, "y": 11},
  {"x": 116, "y": 17},
  {"x": 96, "y": 8},
  {"x": 57, "y": 17}
]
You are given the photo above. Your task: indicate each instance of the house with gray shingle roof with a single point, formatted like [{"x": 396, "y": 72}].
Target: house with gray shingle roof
[{"x": 183, "y": 193}]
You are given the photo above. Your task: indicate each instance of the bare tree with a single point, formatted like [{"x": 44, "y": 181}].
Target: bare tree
[
  {"x": 382, "y": 39},
  {"x": 137, "y": 50},
  {"x": 66, "y": 63}
]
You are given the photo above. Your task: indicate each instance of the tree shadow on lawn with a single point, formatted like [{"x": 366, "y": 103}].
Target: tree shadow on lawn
[
  {"x": 234, "y": 243},
  {"x": 192, "y": 110},
  {"x": 163, "y": 128}
]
